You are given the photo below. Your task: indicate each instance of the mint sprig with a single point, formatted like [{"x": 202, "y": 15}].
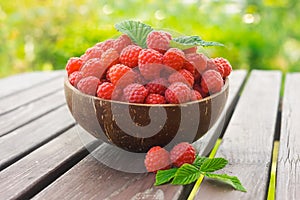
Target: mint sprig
[
  {"x": 189, "y": 173},
  {"x": 186, "y": 42}
]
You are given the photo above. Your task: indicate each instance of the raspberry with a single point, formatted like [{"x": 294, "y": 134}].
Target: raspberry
[
  {"x": 225, "y": 65},
  {"x": 174, "y": 58},
  {"x": 182, "y": 153},
  {"x": 135, "y": 93},
  {"x": 105, "y": 90},
  {"x": 93, "y": 52},
  {"x": 159, "y": 41},
  {"x": 73, "y": 64},
  {"x": 178, "y": 92},
  {"x": 88, "y": 85},
  {"x": 122, "y": 42},
  {"x": 130, "y": 55},
  {"x": 182, "y": 76},
  {"x": 195, "y": 95},
  {"x": 118, "y": 71},
  {"x": 150, "y": 63},
  {"x": 213, "y": 66},
  {"x": 198, "y": 88},
  {"x": 93, "y": 67},
  {"x": 157, "y": 86},
  {"x": 155, "y": 99},
  {"x": 156, "y": 159},
  {"x": 211, "y": 82},
  {"x": 109, "y": 58},
  {"x": 190, "y": 50},
  {"x": 75, "y": 77},
  {"x": 107, "y": 44},
  {"x": 197, "y": 60}
]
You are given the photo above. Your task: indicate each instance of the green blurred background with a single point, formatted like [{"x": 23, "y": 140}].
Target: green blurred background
[{"x": 43, "y": 34}]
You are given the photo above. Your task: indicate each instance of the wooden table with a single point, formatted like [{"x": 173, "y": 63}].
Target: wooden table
[{"x": 42, "y": 156}]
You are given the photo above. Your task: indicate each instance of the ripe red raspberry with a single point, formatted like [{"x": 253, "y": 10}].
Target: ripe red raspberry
[
  {"x": 155, "y": 99},
  {"x": 135, "y": 93},
  {"x": 88, "y": 85},
  {"x": 122, "y": 42},
  {"x": 120, "y": 75},
  {"x": 130, "y": 55},
  {"x": 157, "y": 86},
  {"x": 196, "y": 60},
  {"x": 73, "y": 64},
  {"x": 182, "y": 153},
  {"x": 224, "y": 64},
  {"x": 93, "y": 52},
  {"x": 213, "y": 66},
  {"x": 211, "y": 82},
  {"x": 150, "y": 63},
  {"x": 195, "y": 95},
  {"x": 177, "y": 93},
  {"x": 105, "y": 90},
  {"x": 174, "y": 58},
  {"x": 198, "y": 88},
  {"x": 182, "y": 76},
  {"x": 93, "y": 67},
  {"x": 105, "y": 45},
  {"x": 159, "y": 41},
  {"x": 190, "y": 50},
  {"x": 75, "y": 77},
  {"x": 156, "y": 159},
  {"x": 109, "y": 58}
]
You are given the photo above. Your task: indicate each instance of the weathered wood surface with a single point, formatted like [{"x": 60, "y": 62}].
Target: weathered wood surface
[
  {"x": 288, "y": 174},
  {"x": 248, "y": 140}
]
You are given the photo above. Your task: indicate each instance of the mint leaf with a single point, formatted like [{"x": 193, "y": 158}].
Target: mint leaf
[
  {"x": 199, "y": 161},
  {"x": 186, "y": 42},
  {"x": 137, "y": 31},
  {"x": 186, "y": 174},
  {"x": 164, "y": 176},
  {"x": 231, "y": 180},
  {"x": 213, "y": 164}
]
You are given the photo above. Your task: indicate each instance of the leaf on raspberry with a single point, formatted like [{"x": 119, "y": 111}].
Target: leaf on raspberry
[
  {"x": 213, "y": 164},
  {"x": 199, "y": 161},
  {"x": 164, "y": 176},
  {"x": 137, "y": 31},
  {"x": 186, "y": 42},
  {"x": 186, "y": 174}
]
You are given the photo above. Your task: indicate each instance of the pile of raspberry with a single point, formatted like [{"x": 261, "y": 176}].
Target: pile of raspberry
[{"x": 118, "y": 69}]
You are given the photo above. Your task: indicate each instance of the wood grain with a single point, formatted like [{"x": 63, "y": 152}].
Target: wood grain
[
  {"x": 29, "y": 112},
  {"x": 86, "y": 180},
  {"x": 27, "y": 138},
  {"x": 288, "y": 172},
  {"x": 248, "y": 140}
]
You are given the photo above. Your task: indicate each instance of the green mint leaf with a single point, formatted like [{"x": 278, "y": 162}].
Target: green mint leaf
[
  {"x": 199, "y": 161},
  {"x": 231, "y": 180},
  {"x": 186, "y": 174},
  {"x": 186, "y": 42},
  {"x": 137, "y": 31},
  {"x": 164, "y": 176},
  {"x": 213, "y": 164}
]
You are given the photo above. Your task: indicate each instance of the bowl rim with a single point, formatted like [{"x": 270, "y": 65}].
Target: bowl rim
[{"x": 74, "y": 89}]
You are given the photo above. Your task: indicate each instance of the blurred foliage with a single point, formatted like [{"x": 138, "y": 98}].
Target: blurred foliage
[{"x": 43, "y": 34}]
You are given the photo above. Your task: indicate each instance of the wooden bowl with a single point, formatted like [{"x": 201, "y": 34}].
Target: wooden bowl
[{"x": 138, "y": 127}]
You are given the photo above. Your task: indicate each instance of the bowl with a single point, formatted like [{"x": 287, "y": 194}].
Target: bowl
[{"x": 138, "y": 127}]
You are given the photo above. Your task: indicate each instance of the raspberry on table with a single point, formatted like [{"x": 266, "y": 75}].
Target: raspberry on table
[
  {"x": 213, "y": 66},
  {"x": 227, "y": 68},
  {"x": 109, "y": 58},
  {"x": 122, "y": 42},
  {"x": 157, "y": 86},
  {"x": 155, "y": 99},
  {"x": 211, "y": 82},
  {"x": 75, "y": 77},
  {"x": 196, "y": 60},
  {"x": 130, "y": 55},
  {"x": 93, "y": 67},
  {"x": 120, "y": 72},
  {"x": 174, "y": 58},
  {"x": 150, "y": 63},
  {"x": 156, "y": 159},
  {"x": 73, "y": 64},
  {"x": 177, "y": 93},
  {"x": 135, "y": 93},
  {"x": 182, "y": 76},
  {"x": 93, "y": 52},
  {"x": 105, "y": 45},
  {"x": 105, "y": 90},
  {"x": 182, "y": 153},
  {"x": 159, "y": 41},
  {"x": 195, "y": 95},
  {"x": 88, "y": 85}
]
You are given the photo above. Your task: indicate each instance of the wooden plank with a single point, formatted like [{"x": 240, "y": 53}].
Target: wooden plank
[
  {"x": 29, "y": 112},
  {"x": 24, "y": 81},
  {"x": 288, "y": 171},
  {"x": 94, "y": 180},
  {"x": 27, "y": 138},
  {"x": 248, "y": 140},
  {"x": 12, "y": 102},
  {"x": 26, "y": 177}
]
